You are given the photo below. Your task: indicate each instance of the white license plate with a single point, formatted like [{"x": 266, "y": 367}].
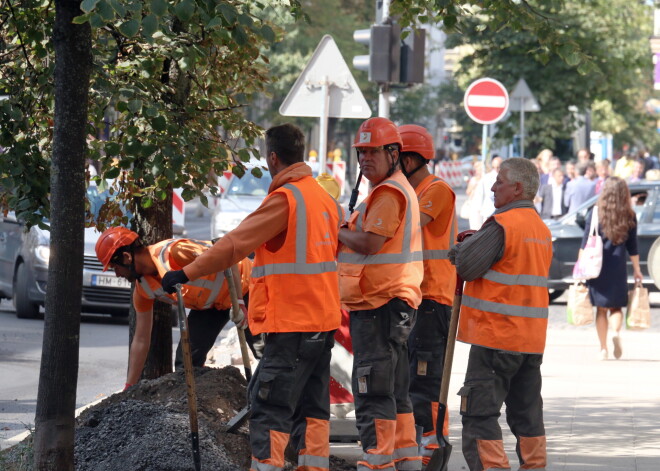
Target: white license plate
[{"x": 111, "y": 281}]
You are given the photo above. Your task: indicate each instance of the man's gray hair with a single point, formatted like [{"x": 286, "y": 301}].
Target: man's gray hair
[{"x": 523, "y": 171}]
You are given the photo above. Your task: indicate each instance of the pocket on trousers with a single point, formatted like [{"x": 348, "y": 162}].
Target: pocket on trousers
[
  {"x": 478, "y": 399},
  {"x": 402, "y": 319},
  {"x": 276, "y": 386},
  {"x": 374, "y": 378},
  {"x": 427, "y": 364}
]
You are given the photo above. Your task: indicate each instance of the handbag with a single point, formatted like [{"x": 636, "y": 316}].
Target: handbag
[
  {"x": 579, "y": 310},
  {"x": 590, "y": 262},
  {"x": 638, "y": 316}
]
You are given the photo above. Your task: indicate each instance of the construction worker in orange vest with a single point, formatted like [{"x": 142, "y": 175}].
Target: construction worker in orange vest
[
  {"x": 209, "y": 302},
  {"x": 294, "y": 299},
  {"x": 380, "y": 272},
  {"x": 504, "y": 316},
  {"x": 428, "y": 338}
]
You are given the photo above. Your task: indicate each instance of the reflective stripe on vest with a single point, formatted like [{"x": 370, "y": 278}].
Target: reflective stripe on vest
[
  {"x": 159, "y": 294},
  {"x": 505, "y": 309},
  {"x": 405, "y": 256},
  {"x": 213, "y": 286},
  {"x": 300, "y": 266},
  {"x": 511, "y": 280}
]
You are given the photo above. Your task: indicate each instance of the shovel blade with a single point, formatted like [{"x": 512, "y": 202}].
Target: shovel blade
[
  {"x": 440, "y": 458},
  {"x": 238, "y": 420}
]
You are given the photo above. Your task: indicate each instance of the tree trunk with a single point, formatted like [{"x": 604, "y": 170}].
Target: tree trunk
[
  {"x": 58, "y": 377},
  {"x": 153, "y": 225}
]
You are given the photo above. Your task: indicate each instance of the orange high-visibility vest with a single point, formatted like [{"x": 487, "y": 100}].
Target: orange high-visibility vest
[
  {"x": 439, "y": 281},
  {"x": 507, "y": 308},
  {"x": 396, "y": 271},
  {"x": 295, "y": 288},
  {"x": 204, "y": 293}
]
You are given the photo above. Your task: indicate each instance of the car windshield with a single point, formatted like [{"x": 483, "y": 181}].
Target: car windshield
[
  {"x": 249, "y": 185},
  {"x": 97, "y": 199}
]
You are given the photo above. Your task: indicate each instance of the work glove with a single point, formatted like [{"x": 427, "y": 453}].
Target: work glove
[
  {"x": 172, "y": 278},
  {"x": 240, "y": 318}
]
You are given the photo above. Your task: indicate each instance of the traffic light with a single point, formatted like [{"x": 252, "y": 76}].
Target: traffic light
[
  {"x": 413, "y": 57},
  {"x": 383, "y": 61}
]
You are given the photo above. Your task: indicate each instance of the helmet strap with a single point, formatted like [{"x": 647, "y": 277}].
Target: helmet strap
[
  {"x": 415, "y": 170},
  {"x": 394, "y": 162}
]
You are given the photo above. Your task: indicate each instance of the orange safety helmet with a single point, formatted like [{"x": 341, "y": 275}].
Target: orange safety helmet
[
  {"x": 110, "y": 241},
  {"x": 376, "y": 132},
  {"x": 417, "y": 139}
]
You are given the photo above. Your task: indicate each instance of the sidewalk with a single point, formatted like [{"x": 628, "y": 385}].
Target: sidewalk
[{"x": 599, "y": 415}]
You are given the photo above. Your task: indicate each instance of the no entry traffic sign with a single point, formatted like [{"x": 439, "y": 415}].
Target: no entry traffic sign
[{"x": 486, "y": 101}]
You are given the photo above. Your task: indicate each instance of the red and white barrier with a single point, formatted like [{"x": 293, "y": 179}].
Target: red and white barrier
[
  {"x": 450, "y": 171},
  {"x": 341, "y": 369},
  {"x": 178, "y": 208}
]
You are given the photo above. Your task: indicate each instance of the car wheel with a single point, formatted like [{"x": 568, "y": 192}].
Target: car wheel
[
  {"x": 555, "y": 293},
  {"x": 25, "y": 309}
]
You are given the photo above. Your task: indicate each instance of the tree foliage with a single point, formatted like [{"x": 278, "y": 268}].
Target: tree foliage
[{"x": 170, "y": 85}]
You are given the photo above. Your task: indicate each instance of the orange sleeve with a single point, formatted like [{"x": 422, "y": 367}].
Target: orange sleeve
[
  {"x": 184, "y": 252},
  {"x": 140, "y": 302},
  {"x": 438, "y": 201},
  {"x": 266, "y": 222},
  {"x": 385, "y": 212}
]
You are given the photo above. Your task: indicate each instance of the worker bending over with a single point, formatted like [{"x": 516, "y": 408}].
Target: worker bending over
[
  {"x": 209, "y": 301},
  {"x": 380, "y": 269},
  {"x": 428, "y": 338},
  {"x": 294, "y": 299},
  {"x": 505, "y": 316}
]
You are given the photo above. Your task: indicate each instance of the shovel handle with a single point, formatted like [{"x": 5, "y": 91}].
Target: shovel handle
[
  {"x": 190, "y": 377},
  {"x": 233, "y": 293}
]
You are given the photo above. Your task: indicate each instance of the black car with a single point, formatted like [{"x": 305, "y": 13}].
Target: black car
[{"x": 567, "y": 236}]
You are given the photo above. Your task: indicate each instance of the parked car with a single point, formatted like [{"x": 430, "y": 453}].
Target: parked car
[
  {"x": 243, "y": 196},
  {"x": 567, "y": 236},
  {"x": 24, "y": 269}
]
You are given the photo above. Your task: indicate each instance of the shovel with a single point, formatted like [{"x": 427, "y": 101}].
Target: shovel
[
  {"x": 240, "y": 418},
  {"x": 440, "y": 457},
  {"x": 190, "y": 379}
]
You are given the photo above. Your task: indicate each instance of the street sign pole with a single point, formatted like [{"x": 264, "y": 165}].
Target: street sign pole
[
  {"x": 522, "y": 128},
  {"x": 484, "y": 147},
  {"x": 323, "y": 123}
]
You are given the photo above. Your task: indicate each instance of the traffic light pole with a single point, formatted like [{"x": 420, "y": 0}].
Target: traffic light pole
[
  {"x": 384, "y": 101},
  {"x": 323, "y": 124}
]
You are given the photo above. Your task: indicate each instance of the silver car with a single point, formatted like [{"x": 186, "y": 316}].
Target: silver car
[{"x": 24, "y": 269}]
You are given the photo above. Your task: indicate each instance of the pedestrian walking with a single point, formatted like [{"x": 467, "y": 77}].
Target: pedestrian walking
[
  {"x": 617, "y": 226},
  {"x": 428, "y": 338},
  {"x": 552, "y": 196},
  {"x": 380, "y": 272},
  {"x": 209, "y": 300},
  {"x": 470, "y": 210},
  {"x": 602, "y": 174},
  {"x": 582, "y": 188},
  {"x": 294, "y": 299},
  {"x": 504, "y": 317},
  {"x": 483, "y": 197}
]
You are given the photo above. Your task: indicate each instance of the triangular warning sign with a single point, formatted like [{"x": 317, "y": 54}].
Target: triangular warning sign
[{"x": 326, "y": 65}]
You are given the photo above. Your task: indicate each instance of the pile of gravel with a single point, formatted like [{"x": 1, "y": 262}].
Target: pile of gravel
[{"x": 135, "y": 435}]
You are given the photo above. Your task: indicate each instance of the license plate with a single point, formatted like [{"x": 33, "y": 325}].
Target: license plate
[{"x": 110, "y": 281}]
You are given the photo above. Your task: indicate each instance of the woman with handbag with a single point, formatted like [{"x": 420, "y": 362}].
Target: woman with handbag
[{"x": 617, "y": 226}]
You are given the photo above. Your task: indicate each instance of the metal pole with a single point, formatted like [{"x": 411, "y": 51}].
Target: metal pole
[
  {"x": 323, "y": 124},
  {"x": 522, "y": 128},
  {"x": 384, "y": 101},
  {"x": 484, "y": 147}
]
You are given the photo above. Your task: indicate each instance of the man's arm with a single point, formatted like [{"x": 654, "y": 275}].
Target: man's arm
[
  {"x": 139, "y": 346},
  {"x": 366, "y": 243},
  {"x": 474, "y": 256}
]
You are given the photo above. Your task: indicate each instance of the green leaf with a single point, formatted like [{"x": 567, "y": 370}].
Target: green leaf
[
  {"x": 159, "y": 123},
  {"x": 112, "y": 173},
  {"x": 267, "y": 33},
  {"x": 147, "y": 202},
  {"x": 239, "y": 36},
  {"x": 229, "y": 12},
  {"x": 129, "y": 28},
  {"x": 216, "y": 22},
  {"x": 105, "y": 10},
  {"x": 238, "y": 170},
  {"x": 244, "y": 155},
  {"x": 112, "y": 148},
  {"x": 135, "y": 105},
  {"x": 96, "y": 21},
  {"x": 256, "y": 171},
  {"x": 82, "y": 19},
  {"x": 149, "y": 25},
  {"x": 185, "y": 10},
  {"x": 88, "y": 5},
  {"x": 118, "y": 7},
  {"x": 159, "y": 7}
]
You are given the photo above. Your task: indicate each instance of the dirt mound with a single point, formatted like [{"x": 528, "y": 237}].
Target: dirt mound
[{"x": 147, "y": 427}]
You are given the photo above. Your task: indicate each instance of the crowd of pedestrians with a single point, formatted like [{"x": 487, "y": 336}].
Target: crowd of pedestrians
[{"x": 564, "y": 186}]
